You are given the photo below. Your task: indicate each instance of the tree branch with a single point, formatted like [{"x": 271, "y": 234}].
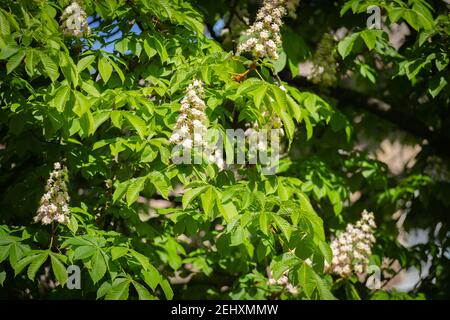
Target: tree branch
[{"x": 404, "y": 121}]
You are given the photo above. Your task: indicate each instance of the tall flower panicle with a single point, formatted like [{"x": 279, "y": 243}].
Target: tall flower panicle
[
  {"x": 74, "y": 21},
  {"x": 291, "y": 6},
  {"x": 265, "y": 37},
  {"x": 324, "y": 62},
  {"x": 54, "y": 204},
  {"x": 190, "y": 126},
  {"x": 190, "y": 129},
  {"x": 259, "y": 137},
  {"x": 352, "y": 249}
]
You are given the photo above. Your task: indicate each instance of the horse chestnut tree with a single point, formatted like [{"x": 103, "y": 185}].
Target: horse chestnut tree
[{"x": 154, "y": 149}]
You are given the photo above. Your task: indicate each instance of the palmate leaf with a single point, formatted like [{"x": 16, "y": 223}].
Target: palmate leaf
[
  {"x": 104, "y": 68},
  {"x": 119, "y": 289},
  {"x": 105, "y": 104},
  {"x": 191, "y": 194},
  {"x": 138, "y": 124},
  {"x": 134, "y": 187},
  {"x": 59, "y": 269},
  {"x": 50, "y": 66},
  {"x": 167, "y": 289},
  {"x": 36, "y": 262},
  {"x": 311, "y": 282},
  {"x": 151, "y": 277},
  {"x": 15, "y": 60},
  {"x": 142, "y": 291},
  {"x": 283, "y": 225},
  {"x": 4, "y": 25},
  {"x": 85, "y": 62},
  {"x": 98, "y": 267}
]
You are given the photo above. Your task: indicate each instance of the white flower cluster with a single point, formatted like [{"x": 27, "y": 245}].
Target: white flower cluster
[
  {"x": 283, "y": 281},
  {"x": 216, "y": 156},
  {"x": 190, "y": 128},
  {"x": 54, "y": 205},
  {"x": 352, "y": 249},
  {"x": 264, "y": 34},
  {"x": 291, "y": 6},
  {"x": 74, "y": 20},
  {"x": 259, "y": 138}
]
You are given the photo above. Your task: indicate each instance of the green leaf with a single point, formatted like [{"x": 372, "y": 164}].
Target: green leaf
[
  {"x": 138, "y": 124},
  {"x": 85, "y": 62},
  {"x": 287, "y": 262},
  {"x": 208, "y": 200},
  {"x": 50, "y": 67},
  {"x": 289, "y": 125},
  {"x": 118, "y": 70},
  {"x": 259, "y": 94},
  {"x": 119, "y": 290},
  {"x": 59, "y": 269},
  {"x": 7, "y": 52},
  {"x": 4, "y": 25},
  {"x": 103, "y": 290},
  {"x": 264, "y": 220},
  {"x": 83, "y": 252},
  {"x": 30, "y": 62},
  {"x": 22, "y": 263},
  {"x": 73, "y": 224},
  {"x": 117, "y": 252},
  {"x": 142, "y": 292},
  {"x": 151, "y": 277},
  {"x": 345, "y": 46},
  {"x": 163, "y": 4},
  {"x": 105, "y": 69},
  {"x": 294, "y": 108},
  {"x": 4, "y": 252},
  {"x": 149, "y": 50},
  {"x": 82, "y": 104},
  {"x": 100, "y": 117},
  {"x": 87, "y": 124},
  {"x": 307, "y": 280},
  {"x": 143, "y": 260},
  {"x": 120, "y": 190},
  {"x": 36, "y": 263},
  {"x": 311, "y": 281},
  {"x": 323, "y": 290},
  {"x": 228, "y": 211},
  {"x": 134, "y": 188},
  {"x": 90, "y": 89},
  {"x": 280, "y": 63},
  {"x": 61, "y": 97},
  {"x": 154, "y": 42},
  {"x": 308, "y": 212},
  {"x": 98, "y": 267},
  {"x": 14, "y": 61},
  {"x": 326, "y": 251},
  {"x": 116, "y": 118},
  {"x": 436, "y": 85},
  {"x": 191, "y": 194},
  {"x": 351, "y": 292},
  {"x": 2, "y": 277},
  {"x": 283, "y": 225},
  {"x": 167, "y": 289},
  {"x": 370, "y": 38}
]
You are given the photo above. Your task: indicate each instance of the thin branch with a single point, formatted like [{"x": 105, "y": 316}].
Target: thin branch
[{"x": 404, "y": 121}]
